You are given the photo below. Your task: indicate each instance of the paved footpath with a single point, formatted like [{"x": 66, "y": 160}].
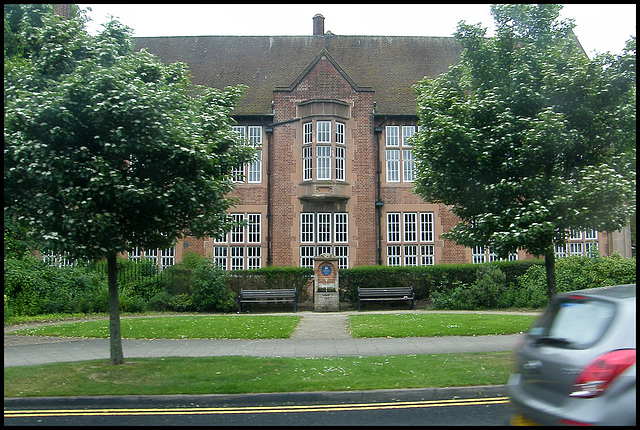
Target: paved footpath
[{"x": 317, "y": 335}]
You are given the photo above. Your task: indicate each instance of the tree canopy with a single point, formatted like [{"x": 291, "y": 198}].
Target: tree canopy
[
  {"x": 107, "y": 149},
  {"x": 527, "y": 138}
]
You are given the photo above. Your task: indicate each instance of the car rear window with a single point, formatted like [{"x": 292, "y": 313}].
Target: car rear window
[{"x": 574, "y": 322}]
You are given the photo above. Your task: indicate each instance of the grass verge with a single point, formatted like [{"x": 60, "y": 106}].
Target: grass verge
[
  {"x": 235, "y": 375},
  {"x": 437, "y": 324},
  {"x": 178, "y": 327}
]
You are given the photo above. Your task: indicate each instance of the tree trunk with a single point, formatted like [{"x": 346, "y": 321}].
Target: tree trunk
[
  {"x": 115, "y": 336},
  {"x": 550, "y": 268}
]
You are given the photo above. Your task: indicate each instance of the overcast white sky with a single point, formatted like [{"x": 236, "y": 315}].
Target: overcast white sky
[{"x": 599, "y": 27}]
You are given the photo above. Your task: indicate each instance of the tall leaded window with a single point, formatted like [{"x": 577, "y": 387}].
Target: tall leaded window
[
  {"x": 307, "y": 163},
  {"x": 253, "y": 228},
  {"x": 324, "y": 228},
  {"x": 408, "y": 166},
  {"x": 324, "y": 162},
  {"x": 237, "y": 258},
  {"x": 307, "y": 224},
  {"x": 393, "y": 255},
  {"x": 254, "y": 169},
  {"x": 254, "y": 257},
  {"x": 407, "y": 133},
  {"x": 400, "y": 161},
  {"x": 393, "y": 135},
  {"x": 340, "y": 163},
  {"x": 253, "y": 174},
  {"x": 237, "y": 232},
  {"x": 340, "y": 133},
  {"x": 220, "y": 257},
  {"x": 324, "y": 131},
  {"x": 410, "y": 227},
  {"x": 393, "y": 227},
  {"x": 307, "y": 133},
  {"x": 393, "y": 165},
  {"x": 341, "y": 228},
  {"x": 426, "y": 227},
  {"x": 237, "y": 173}
]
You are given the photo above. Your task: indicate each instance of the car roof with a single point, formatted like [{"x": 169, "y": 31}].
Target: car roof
[{"x": 619, "y": 292}]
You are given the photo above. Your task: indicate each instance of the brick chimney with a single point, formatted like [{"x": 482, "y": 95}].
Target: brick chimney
[{"x": 318, "y": 25}]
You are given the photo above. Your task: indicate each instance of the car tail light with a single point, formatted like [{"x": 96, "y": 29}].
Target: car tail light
[{"x": 599, "y": 373}]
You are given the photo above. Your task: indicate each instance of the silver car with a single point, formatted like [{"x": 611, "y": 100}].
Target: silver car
[{"x": 577, "y": 363}]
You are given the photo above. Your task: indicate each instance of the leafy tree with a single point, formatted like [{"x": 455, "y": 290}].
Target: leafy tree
[
  {"x": 527, "y": 137},
  {"x": 107, "y": 149}
]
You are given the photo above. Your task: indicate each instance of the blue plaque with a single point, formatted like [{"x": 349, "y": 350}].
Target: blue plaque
[{"x": 325, "y": 270}]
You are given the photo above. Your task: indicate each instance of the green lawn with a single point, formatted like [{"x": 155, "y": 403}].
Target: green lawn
[
  {"x": 282, "y": 326},
  {"x": 437, "y": 324},
  {"x": 228, "y": 375},
  {"x": 178, "y": 327}
]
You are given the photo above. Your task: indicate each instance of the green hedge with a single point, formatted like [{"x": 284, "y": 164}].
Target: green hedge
[
  {"x": 490, "y": 290},
  {"x": 272, "y": 277},
  {"x": 33, "y": 287},
  {"x": 424, "y": 279}
]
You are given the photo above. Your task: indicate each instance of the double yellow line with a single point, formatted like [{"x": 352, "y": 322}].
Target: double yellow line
[{"x": 254, "y": 409}]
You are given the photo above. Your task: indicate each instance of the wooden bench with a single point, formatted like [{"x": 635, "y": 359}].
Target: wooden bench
[
  {"x": 280, "y": 295},
  {"x": 384, "y": 294}
]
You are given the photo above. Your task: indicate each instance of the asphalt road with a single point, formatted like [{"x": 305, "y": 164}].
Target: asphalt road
[{"x": 432, "y": 407}]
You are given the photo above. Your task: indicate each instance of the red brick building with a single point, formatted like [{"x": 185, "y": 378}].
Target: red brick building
[{"x": 332, "y": 116}]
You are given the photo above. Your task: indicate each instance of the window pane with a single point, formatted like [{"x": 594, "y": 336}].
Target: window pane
[
  {"x": 408, "y": 165},
  {"x": 426, "y": 227},
  {"x": 393, "y": 165},
  {"x": 339, "y": 133},
  {"x": 307, "y": 160},
  {"x": 410, "y": 227},
  {"x": 410, "y": 255},
  {"x": 392, "y": 135},
  {"x": 306, "y": 256},
  {"x": 393, "y": 227},
  {"x": 237, "y": 258},
  {"x": 393, "y": 255},
  {"x": 237, "y": 233},
  {"x": 324, "y": 162},
  {"x": 342, "y": 252},
  {"x": 324, "y": 228},
  {"x": 341, "y": 228},
  {"x": 306, "y": 227},
  {"x": 340, "y": 151},
  {"x": 220, "y": 256},
  {"x": 254, "y": 257},
  {"x": 253, "y": 228},
  {"x": 307, "y": 134},
  {"x": 479, "y": 255},
  {"x": 426, "y": 255},
  {"x": 324, "y": 131},
  {"x": 254, "y": 170},
  {"x": 407, "y": 132}
]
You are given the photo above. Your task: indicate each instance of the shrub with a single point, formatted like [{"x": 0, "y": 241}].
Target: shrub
[
  {"x": 161, "y": 301},
  {"x": 209, "y": 291},
  {"x": 487, "y": 292},
  {"x": 182, "y": 303},
  {"x": 132, "y": 303}
]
